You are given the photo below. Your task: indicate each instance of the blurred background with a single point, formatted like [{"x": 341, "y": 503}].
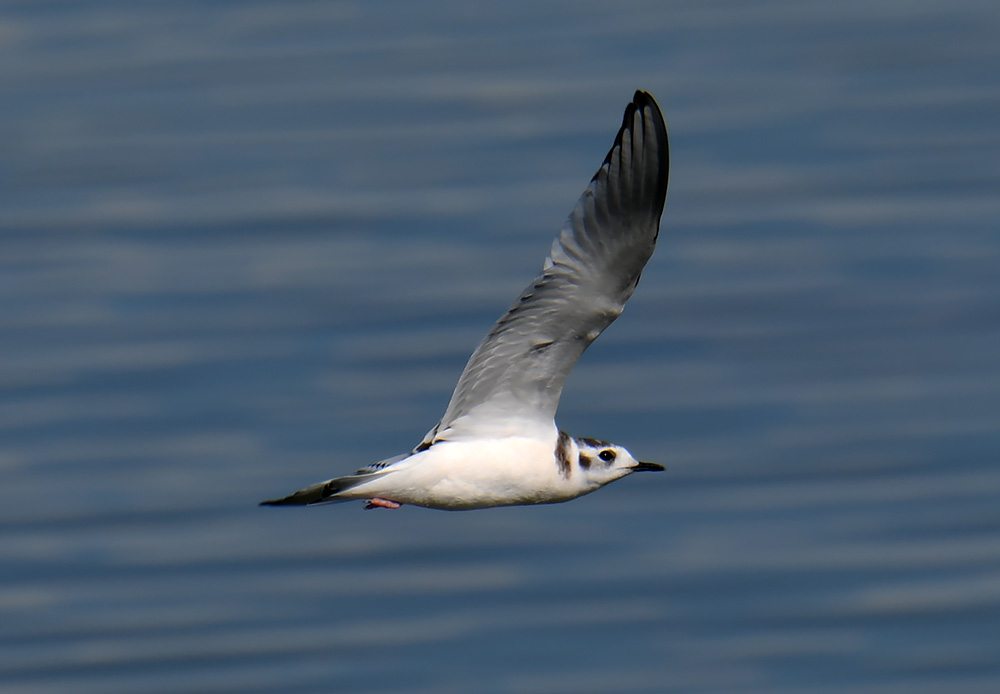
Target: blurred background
[{"x": 247, "y": 246}]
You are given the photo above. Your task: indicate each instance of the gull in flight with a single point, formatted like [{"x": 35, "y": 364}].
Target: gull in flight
[{"x": 497, "y": 443}]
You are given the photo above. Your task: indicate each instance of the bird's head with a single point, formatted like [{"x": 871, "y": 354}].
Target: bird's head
[{"x": 602, "y": 462}]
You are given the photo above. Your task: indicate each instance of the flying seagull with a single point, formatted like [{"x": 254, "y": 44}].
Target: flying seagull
[{"x": 497, "y": 443}]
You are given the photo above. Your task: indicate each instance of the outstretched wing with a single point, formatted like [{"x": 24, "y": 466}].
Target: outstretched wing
[{"x": 514, "y": 379}]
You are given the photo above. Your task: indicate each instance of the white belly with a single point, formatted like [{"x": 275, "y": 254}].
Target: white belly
[{"x": 477, "y": 474}]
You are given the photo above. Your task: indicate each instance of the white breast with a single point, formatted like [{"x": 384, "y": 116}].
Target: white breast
[{"x": 478, "y": 474}]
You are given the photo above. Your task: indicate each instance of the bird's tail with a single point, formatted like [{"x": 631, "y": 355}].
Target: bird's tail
[{"x": 322, "y": 492}]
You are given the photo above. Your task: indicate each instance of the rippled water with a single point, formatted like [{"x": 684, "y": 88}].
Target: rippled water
[{"x": 246, "y": 246}]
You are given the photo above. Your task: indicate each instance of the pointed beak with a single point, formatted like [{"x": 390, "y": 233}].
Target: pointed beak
[{"x": 648, "y": 467}]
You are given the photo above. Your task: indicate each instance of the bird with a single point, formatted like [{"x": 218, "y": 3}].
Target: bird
[{"x": 498, "y": 443}]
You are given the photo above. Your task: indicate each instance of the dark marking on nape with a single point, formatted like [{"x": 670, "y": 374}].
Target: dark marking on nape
[
  {"x": 562, "y": 454},
  {"x": 585, "y": 461},
  {"x": 593, "y": 443}
]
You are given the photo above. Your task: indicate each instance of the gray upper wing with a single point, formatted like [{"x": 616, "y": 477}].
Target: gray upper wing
[{"x": 515, "y": 377}]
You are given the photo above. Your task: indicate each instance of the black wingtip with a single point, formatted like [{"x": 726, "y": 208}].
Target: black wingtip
[
  {"x": 641, "y": 98},
  {"x": 640, "y": 101}
]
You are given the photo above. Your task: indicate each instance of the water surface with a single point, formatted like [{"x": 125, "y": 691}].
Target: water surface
[{"x": 248, "y": 246}]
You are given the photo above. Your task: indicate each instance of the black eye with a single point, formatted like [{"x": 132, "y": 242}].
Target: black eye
[{"x": 607, "y": 455}]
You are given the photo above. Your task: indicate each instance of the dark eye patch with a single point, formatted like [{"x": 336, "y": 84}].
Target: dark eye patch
[{"x": 607, "y": 455}]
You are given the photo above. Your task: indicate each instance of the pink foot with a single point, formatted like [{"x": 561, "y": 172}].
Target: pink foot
[{"x": 378, "y": 502}]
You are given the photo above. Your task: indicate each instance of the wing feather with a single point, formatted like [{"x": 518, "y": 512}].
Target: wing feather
[{"x": 515, "y": 377}]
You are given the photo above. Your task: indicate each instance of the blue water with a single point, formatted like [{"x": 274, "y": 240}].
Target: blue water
[{"x": 247, "y": 246}]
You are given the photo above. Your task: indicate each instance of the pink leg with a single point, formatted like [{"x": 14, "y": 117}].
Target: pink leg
[{"x": 379, "y": 502}]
